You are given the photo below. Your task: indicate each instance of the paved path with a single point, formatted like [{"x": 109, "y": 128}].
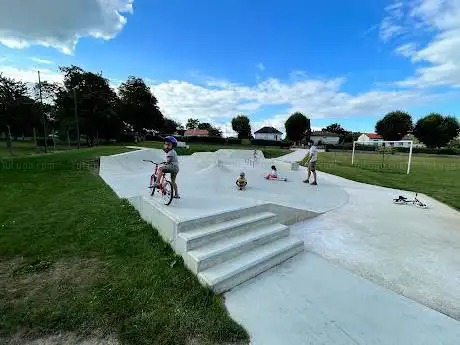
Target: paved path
[
  {"x": 349, "y": 288},
  {"x": 308, "y": 300}
]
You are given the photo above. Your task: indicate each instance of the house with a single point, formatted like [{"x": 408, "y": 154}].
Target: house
[
  {"x": 370, "y": 139},
  {"x": 324, "y": 138},
  {"x": 268, "y": 133},
  {"x": 196, "y": 133}
]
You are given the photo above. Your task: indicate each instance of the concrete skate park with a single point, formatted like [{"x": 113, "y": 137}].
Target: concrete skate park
[{"x": 336, "y": 263}]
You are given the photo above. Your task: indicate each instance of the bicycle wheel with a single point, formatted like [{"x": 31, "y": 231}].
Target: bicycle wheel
[
  {"x": 399, "y": 202},
  {"x": 167, "y": 193},
  {"x": 152, "y": 190},
  {"x": 420, "y": 204}
]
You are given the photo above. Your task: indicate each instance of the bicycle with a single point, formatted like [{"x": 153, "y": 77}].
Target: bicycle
[
  {"x": 165, "y": 189},
  {"x": 401, "y": 200}
]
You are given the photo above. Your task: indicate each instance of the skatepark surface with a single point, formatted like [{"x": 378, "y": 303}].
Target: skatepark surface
[
  {"x": 207, "y": 182},
  {"x": 373, "y": 273}
]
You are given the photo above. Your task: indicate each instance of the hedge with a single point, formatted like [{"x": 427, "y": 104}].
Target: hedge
[
  {"x": 261, "y": 142},
  {"x": 426, "y": 150},
  {"x": 202, "y": 140}
]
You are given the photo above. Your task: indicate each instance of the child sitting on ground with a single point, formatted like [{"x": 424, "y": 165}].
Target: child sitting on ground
[
  {"x": 273, "y": 175},
  {"x": 241, "y": 181},
  {"x": 170, "y": 166}
]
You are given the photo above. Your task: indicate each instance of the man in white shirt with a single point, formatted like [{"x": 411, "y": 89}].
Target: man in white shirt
[{"x": 313, "y": 157}]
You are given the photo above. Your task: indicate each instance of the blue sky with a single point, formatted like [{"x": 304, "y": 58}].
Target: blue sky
[{"x": 336, "y": 61}]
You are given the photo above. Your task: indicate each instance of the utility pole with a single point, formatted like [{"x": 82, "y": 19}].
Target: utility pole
[
  {"x": 43, "y": 114},
  {"x": 76, "y": 115}
]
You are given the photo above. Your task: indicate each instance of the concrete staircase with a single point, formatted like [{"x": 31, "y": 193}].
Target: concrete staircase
[{"x": 226, "y": 250}]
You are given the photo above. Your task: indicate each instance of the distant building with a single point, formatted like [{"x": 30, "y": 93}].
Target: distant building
[
  {"x": 324, "y": 138},
  {"x": 375, "y": 139},
  {"x": 268, "y": 133},
  {"x": 196, "y": 133},
  {"x": 370, "y": 139}
]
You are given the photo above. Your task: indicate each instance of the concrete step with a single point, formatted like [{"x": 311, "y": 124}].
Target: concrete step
[
  {"x": 231, "y": 273},
  {"x": 221, "y": 217},
  {"x": 227, "y": 248},
  {"x": 193, "y": 239}
]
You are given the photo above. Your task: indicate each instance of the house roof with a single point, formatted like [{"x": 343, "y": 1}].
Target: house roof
[
  {"x": 267, "y": 129},
  {"x": 373, "y": 136},
  {"x": 323, "y": 134},
  {"x": 196, "y": 131}
]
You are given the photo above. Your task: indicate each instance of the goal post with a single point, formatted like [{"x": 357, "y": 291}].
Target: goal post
[{"x": 383, "y": 143}]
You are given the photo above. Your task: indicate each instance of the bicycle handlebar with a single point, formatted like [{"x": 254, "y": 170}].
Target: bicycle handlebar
[{"x": 156, "y": 163}]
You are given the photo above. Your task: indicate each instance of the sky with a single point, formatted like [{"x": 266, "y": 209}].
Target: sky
[{"x": 348, "y": 62}]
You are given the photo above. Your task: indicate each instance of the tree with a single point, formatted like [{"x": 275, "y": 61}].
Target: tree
[
  {"x": 343, "y": 134},
  {"x": 192, "y": 124},
  {"x": 394, "y": 125},
  {"x": 138, "y": 106},
  {"x": 213, "y": 131},
  {"x": 435, "y": 130},
  {"x": 96, "y": 104},
  {"x": 18, "y": 112},
  {"x": 242, "y": 126},
  {"x": 169, "y": 126},
  {"x": 297, "y": 127},
  {"x": 335, "y": 128}
]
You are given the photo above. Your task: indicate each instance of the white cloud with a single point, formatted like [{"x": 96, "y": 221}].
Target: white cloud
[
  {"x": 438, "y": 61},
  {"x": 218, "y": 101},
  {"x": 30, "y": 75},
  {"x": 315, "y": 98},
  {"x": 389, "y": 27},
  {"x": 60, "y": 24},
  {"x": 260, "y": 66},
  {"x": 42, "y": 61},
  {"x": 407, "y": 49}
]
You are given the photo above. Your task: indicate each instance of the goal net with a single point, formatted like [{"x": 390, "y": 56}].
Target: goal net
[{"x": 394, "y": 156}]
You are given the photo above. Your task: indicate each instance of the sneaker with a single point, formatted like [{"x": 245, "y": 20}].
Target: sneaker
[
  {"x": 305, "y": 181},
  {"x": 313, "y": 184},
  {"x": 176, "y": 197}
]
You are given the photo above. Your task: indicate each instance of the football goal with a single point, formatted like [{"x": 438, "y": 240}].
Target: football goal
[{"x": 379, "y": 152}]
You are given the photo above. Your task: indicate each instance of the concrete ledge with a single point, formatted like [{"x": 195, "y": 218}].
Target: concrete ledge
[{"x": 169, "y": 226}]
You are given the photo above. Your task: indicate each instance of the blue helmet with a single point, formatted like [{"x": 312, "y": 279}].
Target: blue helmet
[{"x": 172, "y": 140}]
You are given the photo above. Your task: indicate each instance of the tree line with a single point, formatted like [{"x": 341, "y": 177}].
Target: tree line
[{"x": 83, "y": 105}]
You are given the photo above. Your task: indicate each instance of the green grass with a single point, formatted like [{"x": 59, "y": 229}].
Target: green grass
[
  {"x": 74, "y": 257},
  {"x": 28, "y": 148},
  {"x": 436, "y": 176}
]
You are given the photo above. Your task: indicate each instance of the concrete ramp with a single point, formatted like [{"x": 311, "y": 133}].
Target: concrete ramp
[{"x": 226, "y": 236}]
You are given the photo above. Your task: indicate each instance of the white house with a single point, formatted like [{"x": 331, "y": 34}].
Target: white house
[
  {"x": 324, "y": 138},
  {"x": 370, "y": 139},
  {"x": 268, "y": 133}
]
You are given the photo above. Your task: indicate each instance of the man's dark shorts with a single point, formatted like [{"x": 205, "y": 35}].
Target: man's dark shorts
[{"x": 312, "y": 166}]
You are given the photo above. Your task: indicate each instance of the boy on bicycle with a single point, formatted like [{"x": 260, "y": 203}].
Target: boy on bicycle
[{"x": 171, "y": 165}]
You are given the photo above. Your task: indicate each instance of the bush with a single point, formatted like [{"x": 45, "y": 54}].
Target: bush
[
  {"x": 260, "y": 142},
  {"x": 426, "y": 150},
  {"x": 234, "y": 141},
  {"x": 41, "y": 142},
  {"x": 151, "y": 137},
  {"x": 205, "y": 140},
  {"x": 349, "y": 147}
]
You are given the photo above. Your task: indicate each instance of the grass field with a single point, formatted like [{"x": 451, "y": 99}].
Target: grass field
[
  {"x": 28, "y": 148},
  {"x": 75, "y": 258},
  {"x": 436, "y": 176}
]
